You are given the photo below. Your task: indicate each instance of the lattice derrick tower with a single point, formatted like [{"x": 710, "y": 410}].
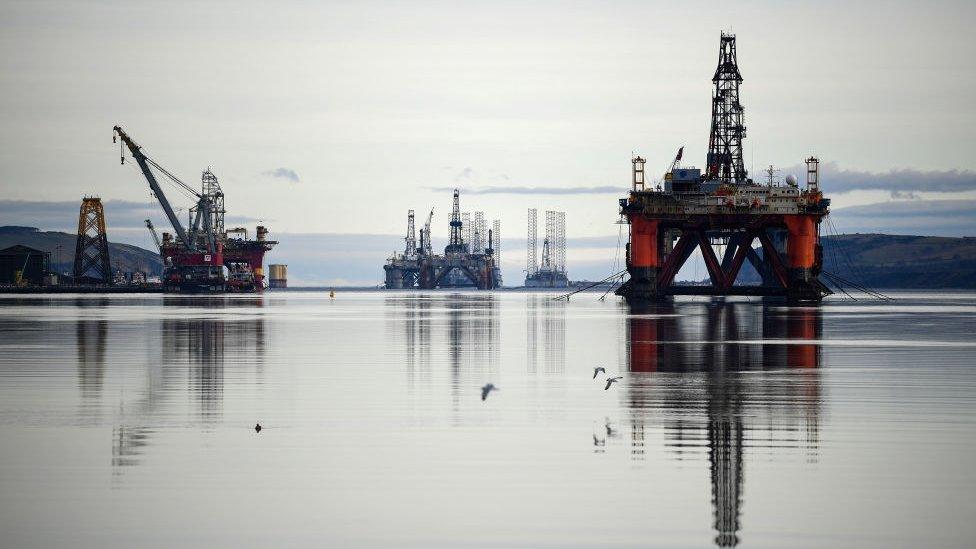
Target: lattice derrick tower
[
  {"x": 211, "y": 189},
  {"x": 547, "y": 245},
  {"x": 466, "y": 230},
  {"x": 91, "y": 248},
  {"x": 496, "y": 240},
  {"x": 532, "y": 243},
  {"x": 479, "y": 241},
  {"x": 559, "y": 244},
  {"x": 456, "y": 245},
  {"x": 725, "y": 161},
  {"x": 410, "y": 250}
]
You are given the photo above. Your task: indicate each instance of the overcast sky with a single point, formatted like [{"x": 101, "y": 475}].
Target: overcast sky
[{"x": 337, "y": 117}]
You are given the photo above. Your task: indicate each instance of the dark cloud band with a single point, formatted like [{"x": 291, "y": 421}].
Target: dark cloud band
[{"x": 608, "y": 189}]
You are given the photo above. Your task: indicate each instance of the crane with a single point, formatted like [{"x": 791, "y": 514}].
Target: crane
[
  {"x": 203, "y": 209},
  {"x": 155, "y": 236},
  {"x": 425, "y": 247}
]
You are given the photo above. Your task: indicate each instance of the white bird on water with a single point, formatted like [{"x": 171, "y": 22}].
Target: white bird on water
[
  {"x": 597, "y": 370},
  {"x": 611, "y": 381},
  {"x": 487, "y": 389}
]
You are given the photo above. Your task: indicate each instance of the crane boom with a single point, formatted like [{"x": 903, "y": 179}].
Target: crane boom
[
  {"x": 155, "y": 236},
  {"x": 143, "y": 162}
]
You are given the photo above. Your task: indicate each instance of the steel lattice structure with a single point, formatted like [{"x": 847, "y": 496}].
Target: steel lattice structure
[
  {"x": 496, "y": 240},
  {"x": 532, "y": 245},
  {"x": 727, "y": 130},
  {"x": 480, "y": 233},
  {"x": 91, "y": 248},
  {"x": 411, "y": 239},
  {"x": 466, "y": 229}
]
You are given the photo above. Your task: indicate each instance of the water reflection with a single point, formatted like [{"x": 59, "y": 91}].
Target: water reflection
[
  {"x": 723, "y": 378},
  {"x": 196, "y": 340},
  {"x": 553, "y": 327},
  {"x": 90, "y": 336},
  {"x": 199, "y": 342}
]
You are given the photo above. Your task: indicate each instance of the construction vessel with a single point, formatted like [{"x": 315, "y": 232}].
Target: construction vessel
[
  {"x": 724, "y": 207},
  {"x": 207, "y": 257},
  {"x": 551, "y": 271},
  {"x": 470, "y": 258}
]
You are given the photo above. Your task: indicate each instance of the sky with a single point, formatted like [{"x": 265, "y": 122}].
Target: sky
[{"x": 328, "y": 120}]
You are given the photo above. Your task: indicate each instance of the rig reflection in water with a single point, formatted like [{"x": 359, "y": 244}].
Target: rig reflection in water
[
  {"x": 193, "y": 342},
  {"x": 721, "y": 378}
]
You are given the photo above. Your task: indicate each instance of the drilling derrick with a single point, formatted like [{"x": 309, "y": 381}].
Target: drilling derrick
[
  {"x": 410, "y": 251},
  {"x": 456, "y": 244},
  {"x": 532, "y": 263},
  {"x": 91, "y": 248},
  {"x": 725, "y": 140},
  {"x": 694, "y": 211}
]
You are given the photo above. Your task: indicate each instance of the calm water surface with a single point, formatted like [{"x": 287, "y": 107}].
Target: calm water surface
[{"x": 127, "y": 421}]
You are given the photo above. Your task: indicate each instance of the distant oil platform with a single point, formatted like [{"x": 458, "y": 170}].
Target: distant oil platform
[
  {"x": 470, "y": 258},
  {"x": 551, "y": 271},
  {"x": 724, "y": 207}
]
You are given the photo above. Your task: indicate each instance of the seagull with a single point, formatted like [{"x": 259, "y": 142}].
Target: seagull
[
  {"x": 487, "y": 389},
  {"x": 597, "y": 370},
  {"x": 610, "y": 431},
  {"x": 611, "y": 381},
  {"x": 257, "y": 428}
]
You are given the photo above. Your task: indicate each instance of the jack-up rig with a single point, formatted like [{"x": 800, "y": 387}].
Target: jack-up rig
[
  {"x": 551, "y": 272},
  {"x": 724, "y": 207},
  {"x": 207, "y": 258},
  {"x": 470, "y": 258}
]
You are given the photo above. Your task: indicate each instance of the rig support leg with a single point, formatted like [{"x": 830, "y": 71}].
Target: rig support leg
[
  {"x": 644, "y": 261},
  {"x": 801, "y": 251}
]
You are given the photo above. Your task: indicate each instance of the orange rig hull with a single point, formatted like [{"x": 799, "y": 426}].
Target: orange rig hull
[{"x": 665, "y": 231}]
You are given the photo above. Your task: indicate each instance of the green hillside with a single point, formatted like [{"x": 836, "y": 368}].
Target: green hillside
[
  {"x": 894, "y": 261},
  {"x": 123, "y": 256}
]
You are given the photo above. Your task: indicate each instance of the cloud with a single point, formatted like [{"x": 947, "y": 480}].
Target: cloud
[
  {"x": 607, "y": 189},
  {"x": 904, "y": 195},
  {"x": 283, "y": 173},
  {"x": 464, "y": 175},
  {"x": 119, "y": 215},
  {"x": 835, "y": 179}
]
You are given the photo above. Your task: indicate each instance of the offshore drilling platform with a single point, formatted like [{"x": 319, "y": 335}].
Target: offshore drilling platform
[
  {"x": 551, "y": 272},
  {"x": 206, "y": 257},
  {"x": 724, "y": 207},
  {"x": 471, "y": 257}
]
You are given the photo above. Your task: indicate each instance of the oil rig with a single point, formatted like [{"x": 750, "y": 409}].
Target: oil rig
[
  {"x": 724, "y": 207},
  {"x": 551, "y": 271},
  {"x": 471, "y": 257},
  {"x": 207, "y": 257}
]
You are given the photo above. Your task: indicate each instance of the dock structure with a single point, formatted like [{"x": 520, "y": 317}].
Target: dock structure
[
  {"x": 690, "y": 210},
  {"x": 470, "y": 258}
]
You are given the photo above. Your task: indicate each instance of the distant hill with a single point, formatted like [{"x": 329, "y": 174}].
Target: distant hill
[
  {"x": 124, "y": 256},
  {"x": 893, "y": 261}
]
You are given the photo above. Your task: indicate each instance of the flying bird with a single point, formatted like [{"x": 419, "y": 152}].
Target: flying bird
[
  {"x": 487, "y": 389},
  {"x": 597, "y": 370},
  {"x": 257, "y": 428},
  {"x": 611, "y": 381}
]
